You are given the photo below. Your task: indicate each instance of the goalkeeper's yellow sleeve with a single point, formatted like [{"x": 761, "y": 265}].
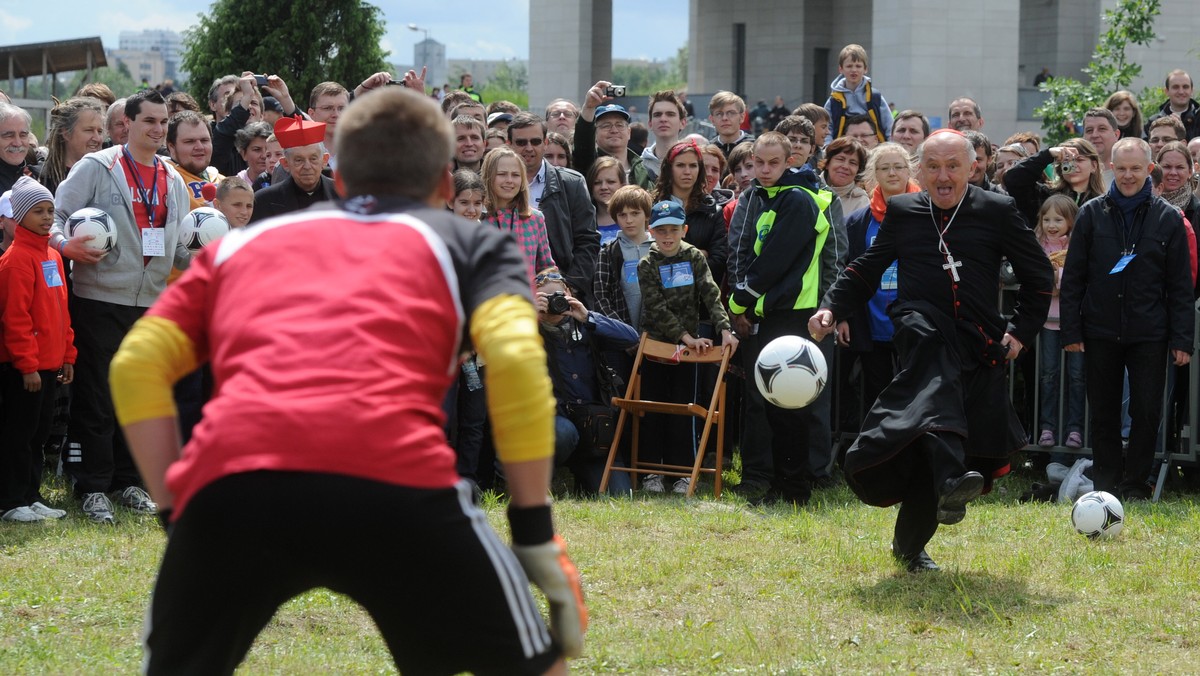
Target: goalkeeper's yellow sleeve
[
  {"x": 520, "y": 398},
  {"x": 153, "y": 356}
]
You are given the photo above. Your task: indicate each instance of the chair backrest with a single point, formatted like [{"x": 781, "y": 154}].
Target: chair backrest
[{"x": 681, "y": 354}]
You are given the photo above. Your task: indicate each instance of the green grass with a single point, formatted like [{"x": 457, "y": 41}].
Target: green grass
[{"x": 702, "y": 586}]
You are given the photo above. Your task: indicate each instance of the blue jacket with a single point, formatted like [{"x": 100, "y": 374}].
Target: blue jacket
[{"x": 572, "y": 364}]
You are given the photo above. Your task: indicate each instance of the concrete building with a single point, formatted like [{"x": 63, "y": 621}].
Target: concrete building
[
  {"x": 167, "y": 43},
  {"x": 431, "y": 54},
  {"x": 923, "y": 53},
  {"x": 143, "y": 65}
]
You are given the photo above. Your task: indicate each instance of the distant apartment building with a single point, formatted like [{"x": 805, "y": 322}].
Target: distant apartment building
[{"x": 144, "y": 49}]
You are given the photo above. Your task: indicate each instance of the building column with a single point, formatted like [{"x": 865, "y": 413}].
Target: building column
[
  {"x": 926, "y": 53},
  {"x": 570, "y": 48}
]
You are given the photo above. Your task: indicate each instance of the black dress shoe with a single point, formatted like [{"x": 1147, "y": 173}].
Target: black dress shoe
[
  {"x": 954, "y": 496},
  {"x": 916, "y": 563}
]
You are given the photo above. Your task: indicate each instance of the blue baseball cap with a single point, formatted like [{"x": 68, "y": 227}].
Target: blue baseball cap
[
  {"x": 667, "y": 212},
  {"x": 611, "y": 108}
]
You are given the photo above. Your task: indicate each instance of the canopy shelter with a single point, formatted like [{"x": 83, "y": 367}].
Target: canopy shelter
[{"x": 48, "y": 59}]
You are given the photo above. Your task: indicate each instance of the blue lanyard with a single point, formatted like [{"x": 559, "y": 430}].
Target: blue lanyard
[{"x": 149, "y": 200}]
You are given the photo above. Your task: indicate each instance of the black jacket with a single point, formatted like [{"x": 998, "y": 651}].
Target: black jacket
[
  {"x": 987, "y": 230},
  {"x": 706, "y": 231},
  {"x": 1190, "y": 119},
  {"x": 1150, "y": 300},
  {"x": 571, "y": 227},
  {"x": 284, "y": 197}
]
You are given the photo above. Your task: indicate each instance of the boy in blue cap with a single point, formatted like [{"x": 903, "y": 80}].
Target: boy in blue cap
[{"x": 675, "y": 282}]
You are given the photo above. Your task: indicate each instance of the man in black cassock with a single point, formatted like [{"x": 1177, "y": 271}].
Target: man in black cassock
[{"x": 944, "y": 428}]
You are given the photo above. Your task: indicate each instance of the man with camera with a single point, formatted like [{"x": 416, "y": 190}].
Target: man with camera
[
  {"x": 603, "y": 129},
  {"x": 584, "y": 385}
]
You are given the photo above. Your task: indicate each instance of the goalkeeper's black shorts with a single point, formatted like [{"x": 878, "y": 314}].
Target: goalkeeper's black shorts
[{"x": 447, "y": 595}]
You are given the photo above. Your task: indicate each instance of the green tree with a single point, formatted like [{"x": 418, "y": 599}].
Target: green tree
[
  {"x": 304, "y": 43},
  {"x": 509, "y": 82},
  {"x": 1130, "y": 22}
]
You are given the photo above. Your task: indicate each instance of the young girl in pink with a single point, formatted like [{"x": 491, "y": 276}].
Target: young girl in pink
[{"x": 1055, "y": 220}]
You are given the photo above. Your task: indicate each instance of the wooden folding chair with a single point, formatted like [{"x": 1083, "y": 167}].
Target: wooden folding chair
[{"x": 633, "y": 405}]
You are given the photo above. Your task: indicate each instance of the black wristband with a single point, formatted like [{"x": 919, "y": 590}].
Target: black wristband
[{"x": 530, "y": 525}]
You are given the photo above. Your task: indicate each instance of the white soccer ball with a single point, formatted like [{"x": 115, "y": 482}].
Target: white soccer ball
[
  {"x": 202, "y": 226},
  {"x": 92, "y": 221},
  {"x": 1098, "y": 515},
  {"x": 790, "y": 372}
]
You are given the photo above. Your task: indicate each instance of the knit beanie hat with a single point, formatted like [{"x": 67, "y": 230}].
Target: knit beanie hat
[{"x": 27, "y": 192}]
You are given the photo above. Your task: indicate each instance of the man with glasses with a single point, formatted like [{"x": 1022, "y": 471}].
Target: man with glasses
[
  {"x": 862, "y": 129},
  {"x": 725, "y": 111},
  {"x": 304, "y": 158},
  {"x": 562, "y": 197},
  {"x": 603, "y": 129},
  {"x": 1163, "y": 131},
  {"x": 561, "y": 115}
]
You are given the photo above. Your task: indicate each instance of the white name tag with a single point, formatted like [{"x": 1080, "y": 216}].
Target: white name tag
[{"x": 154, "y": 242}]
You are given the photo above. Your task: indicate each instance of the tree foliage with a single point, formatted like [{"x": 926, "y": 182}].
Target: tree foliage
[
  {"x": 1130, "y": 22},
  {"x": 647, "y": 79},
  {"x": 304, "y": 43}
]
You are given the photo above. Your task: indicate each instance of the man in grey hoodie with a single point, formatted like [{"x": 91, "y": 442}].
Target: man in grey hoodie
[{"x": 145, "y": 199}]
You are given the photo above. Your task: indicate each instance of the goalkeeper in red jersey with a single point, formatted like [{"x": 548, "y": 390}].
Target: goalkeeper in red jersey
[{"x": 333, "y": 335}]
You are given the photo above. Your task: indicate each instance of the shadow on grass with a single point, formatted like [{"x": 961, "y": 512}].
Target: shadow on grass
[
  {"x": 964, "y": 598},
  {"x": 20, "y": 534}
]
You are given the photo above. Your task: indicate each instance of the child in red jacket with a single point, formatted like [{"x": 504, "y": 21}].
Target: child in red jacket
[{"x": 36, "y": 353}]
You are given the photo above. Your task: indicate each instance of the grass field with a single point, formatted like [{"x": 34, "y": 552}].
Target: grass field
[{"x": 703, "y": 586}]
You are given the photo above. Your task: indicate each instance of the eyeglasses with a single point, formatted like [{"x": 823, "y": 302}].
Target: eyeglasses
[
  {"x": 543, "y": 278},
  {"x": 1162, "y": 139},
  {"x": 331, "y": 108},
  {"x": 561, "y": 113},
  {"x": 888, "y": 168},
  {"x": 608, "y": 126},
  {"x": 522, "y": 142}
]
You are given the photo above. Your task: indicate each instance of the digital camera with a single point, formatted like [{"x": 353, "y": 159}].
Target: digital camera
[
  {"x": 557, "y": 303},
  {"x": 615, "y": 91}
]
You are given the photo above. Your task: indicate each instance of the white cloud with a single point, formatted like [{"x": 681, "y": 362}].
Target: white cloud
[{"x": 11, "y": 24}]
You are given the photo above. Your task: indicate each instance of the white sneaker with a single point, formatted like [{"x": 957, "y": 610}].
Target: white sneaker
[
  {"x": 681, "y": 485},
  {"x": 653, "y": 484},
  {"x": 48, "y": 512},
  {"x": 138, "y": 500},
  {"x": 22, "y": 515},
  {"x": 98, "y": 508}
]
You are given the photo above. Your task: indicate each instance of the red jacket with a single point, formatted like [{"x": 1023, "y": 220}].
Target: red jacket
[{"x": 33, "y": 301}]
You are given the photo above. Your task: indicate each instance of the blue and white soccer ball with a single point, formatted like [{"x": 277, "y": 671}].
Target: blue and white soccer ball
[
  {"x": 1098, "y": 514},
  {"x": 790, "y": 372},
  {"x": 202, "y": 226},
  {"x": 92, "y": 221}
]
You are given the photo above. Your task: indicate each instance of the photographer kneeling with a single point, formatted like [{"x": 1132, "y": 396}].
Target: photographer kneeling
[{"x": 583, "y": 383}]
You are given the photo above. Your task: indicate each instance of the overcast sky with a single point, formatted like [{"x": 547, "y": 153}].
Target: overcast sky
[{"x": 497, "y": 29}]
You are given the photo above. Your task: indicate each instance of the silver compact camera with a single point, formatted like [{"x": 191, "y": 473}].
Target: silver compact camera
[{"x": 615, "y": 91}]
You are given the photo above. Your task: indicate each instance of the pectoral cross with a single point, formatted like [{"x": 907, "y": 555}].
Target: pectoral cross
[{"x": 952, "y": 265}]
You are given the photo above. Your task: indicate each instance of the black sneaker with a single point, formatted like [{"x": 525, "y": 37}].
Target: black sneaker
[
  {"x": 954, "y": 496},
  {"x": 916, "y": 563}
]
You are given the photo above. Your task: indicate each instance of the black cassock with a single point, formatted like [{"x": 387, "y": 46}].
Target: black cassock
[{"x": 948, "y": 333}]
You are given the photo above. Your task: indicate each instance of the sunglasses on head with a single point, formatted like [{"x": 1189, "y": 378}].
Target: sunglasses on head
[{"x": 543, "y": 278}]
